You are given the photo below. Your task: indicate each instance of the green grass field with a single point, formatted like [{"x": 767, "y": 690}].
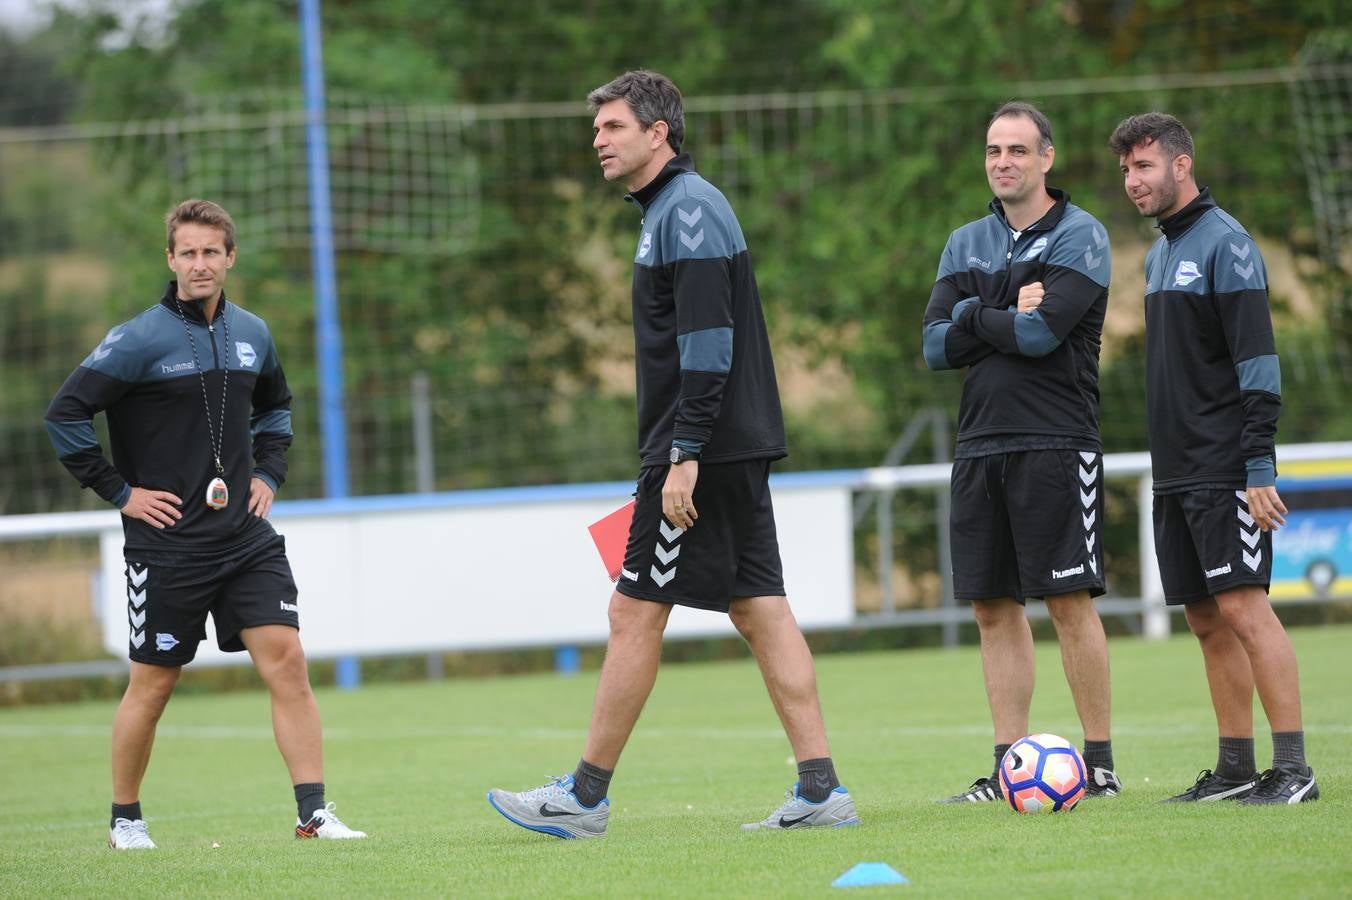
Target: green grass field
[{"x": 410, "y": 764}]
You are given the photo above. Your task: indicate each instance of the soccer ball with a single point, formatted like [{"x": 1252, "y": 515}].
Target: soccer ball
[{"x": 1042, "y": 773}]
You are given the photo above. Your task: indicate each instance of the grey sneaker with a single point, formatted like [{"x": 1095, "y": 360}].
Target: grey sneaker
[
  {"x": 130, "y": 834},
  {"x": 1102, "y": 783},
  {"x": 796, "y": 812},
  {"x": 553, "y": 809}
]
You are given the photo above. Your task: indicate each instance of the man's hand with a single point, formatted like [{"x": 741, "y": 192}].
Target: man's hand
[
  {"x": 1266, "y": 507},
  {"x": 157, "y": 508},
  {"x": 1030, "y": 296},
  {"x": 678, "y": 492},
  {"x": 260, "y": 498}
]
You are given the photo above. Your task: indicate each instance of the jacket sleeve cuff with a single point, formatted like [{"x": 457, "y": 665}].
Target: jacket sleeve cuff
[
  {"x": 963, "y": 307},
  {"x": 122, "y": 496},
  {"x": 266, "y": 479},
  {"x": 1262, "y": 471},
  {"x": 688, "y": 445}
]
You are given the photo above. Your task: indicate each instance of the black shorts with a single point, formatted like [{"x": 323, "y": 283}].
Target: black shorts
[
  {"x": 1027, "y": 524},
  {"x": 1207, "y": 542},
  {"x": 167, "y": 605},
  {"x": 732, "y": 551}
]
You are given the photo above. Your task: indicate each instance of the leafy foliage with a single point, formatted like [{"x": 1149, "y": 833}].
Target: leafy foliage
[{"x": 846, "y": 199}]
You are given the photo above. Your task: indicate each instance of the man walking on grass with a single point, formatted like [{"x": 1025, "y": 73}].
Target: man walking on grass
[{"x": 703, "y": 532}]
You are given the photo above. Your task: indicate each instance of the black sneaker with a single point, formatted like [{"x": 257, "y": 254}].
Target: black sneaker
[
  {"x": 1284, "y": 786},
  {"x": 1211, "y": 786},
  {"x": 1102, "y": 783},
  {"x": 983, "y": 790}
]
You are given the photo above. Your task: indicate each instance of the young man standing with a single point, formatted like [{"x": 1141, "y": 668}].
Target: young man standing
[
  {"x": 199, "y": 419},
  {"x": 703, "y": 531},
  {"x": 1213, "y": 392},
  {"x": 1019, "y": 301}
]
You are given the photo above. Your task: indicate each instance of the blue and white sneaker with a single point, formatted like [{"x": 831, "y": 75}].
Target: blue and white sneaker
[
  {"x": 797, "y": 812},
  {"x": 553, "y": 809}
]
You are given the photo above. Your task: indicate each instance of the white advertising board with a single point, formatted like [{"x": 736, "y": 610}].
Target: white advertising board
[{"x": 495, "y": 569}]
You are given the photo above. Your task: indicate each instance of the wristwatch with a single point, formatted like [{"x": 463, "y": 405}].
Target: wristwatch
[{"x": 679, "y": 456}]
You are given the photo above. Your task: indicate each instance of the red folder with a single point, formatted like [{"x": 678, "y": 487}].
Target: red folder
[{"x": 611, "y": 536}]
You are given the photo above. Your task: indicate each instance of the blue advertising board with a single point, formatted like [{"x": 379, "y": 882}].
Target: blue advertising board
[{"x": 1312, "y": 553}]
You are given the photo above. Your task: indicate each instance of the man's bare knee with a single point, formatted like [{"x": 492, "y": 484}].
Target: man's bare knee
[
  {"x": 1247, "y": 611},
  {"x": 629, "y": 616},
  {"x": 996, "y": 613},
  {"x": 1071, "y": 609},
  {"x": 1205, "y": 620},
  {"x": 151, "y": 687},
  {"x": 752, "y": 616}
]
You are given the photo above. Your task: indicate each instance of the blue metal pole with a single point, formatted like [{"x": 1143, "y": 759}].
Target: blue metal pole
[{"x": 328, "y": 331}]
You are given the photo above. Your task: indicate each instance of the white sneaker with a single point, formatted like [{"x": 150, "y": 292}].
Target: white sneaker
[
  {"x": 130, "y": 834},
  {"x": 326, "y": 824}
]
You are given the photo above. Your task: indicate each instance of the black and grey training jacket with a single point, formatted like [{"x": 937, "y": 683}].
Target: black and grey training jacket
[
  {"x": 705, "y": 374},
  {"x": 1213, "y": 382},
  {"x": 1032, "y": 378},
  {"x": 142, "y": 376}
]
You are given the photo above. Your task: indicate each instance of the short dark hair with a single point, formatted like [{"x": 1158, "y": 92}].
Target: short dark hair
[
  {"x": 201, "y": 212},
  {"x": 1150, "y": 127},
  {"x": 1028, "y": 111},
  {"x": 653, "y": 97}
]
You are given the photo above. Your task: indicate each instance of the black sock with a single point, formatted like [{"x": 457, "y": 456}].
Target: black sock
[
  {"x": 309, "y": 797},
  {"x": 590, "y": 783},
  {"x": 1099, "y": 754},
  {"x": 1288, "y": 750},
  {"x": 1234, "y": 760},
  {"x": 130, "y": 811},
  {"x": 817, "y": 779},
  {"x": 1000, "y": 751}
]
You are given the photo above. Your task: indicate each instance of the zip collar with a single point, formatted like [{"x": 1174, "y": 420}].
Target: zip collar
[
  {"x": 192, "y": 309},
  {"x": 1050, "y": 219},
  {"x": 1178, "y": 224},
  {"x": 677, "y": 165}
]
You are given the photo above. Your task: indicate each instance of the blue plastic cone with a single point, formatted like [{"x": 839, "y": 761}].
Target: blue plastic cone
[{"x": 869, "y": 873}]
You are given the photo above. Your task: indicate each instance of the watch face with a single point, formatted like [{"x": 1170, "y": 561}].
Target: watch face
[{"x": 675, "y": 454}]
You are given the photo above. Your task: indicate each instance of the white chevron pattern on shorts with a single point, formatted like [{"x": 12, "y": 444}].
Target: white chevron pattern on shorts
[
  {"x": 1089, "y": 469},
  {"x": 136, "y": 600},
  {"x": 1249, "y": 537},
  {"x": 665, "y": 555}
]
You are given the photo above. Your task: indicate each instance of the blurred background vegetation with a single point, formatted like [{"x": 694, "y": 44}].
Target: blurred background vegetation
[{"x": 482, "y": 256}]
